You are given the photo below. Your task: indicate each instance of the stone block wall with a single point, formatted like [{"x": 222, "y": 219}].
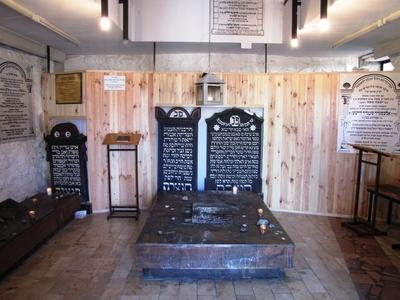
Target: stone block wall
[{"x": 23, "y": 163}]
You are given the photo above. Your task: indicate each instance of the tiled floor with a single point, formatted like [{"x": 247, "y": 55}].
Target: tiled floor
[
  {"x": 95, "y": 259},
  {"x": 374, "y": 273}
]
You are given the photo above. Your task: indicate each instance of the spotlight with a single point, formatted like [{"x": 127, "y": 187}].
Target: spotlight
[
  {"x": 323, "y": 23},
  {"x": 294, "y": 42},
  {"x": 105, "y": 23}
]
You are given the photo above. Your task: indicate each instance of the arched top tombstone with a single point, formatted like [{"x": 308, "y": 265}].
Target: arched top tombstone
[{"x": 234, "y": 146}]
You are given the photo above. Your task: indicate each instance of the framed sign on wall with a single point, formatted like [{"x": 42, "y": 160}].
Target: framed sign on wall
[
  {"x": 16, "y": 122},
  {"x": 369, "y": 112},
  {"x": 68, "y": 88}
]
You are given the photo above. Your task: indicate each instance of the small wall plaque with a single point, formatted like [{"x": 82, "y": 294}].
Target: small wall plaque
[
  {"x": 114, "y": 83},
  {"x": 69, "y": 88}
]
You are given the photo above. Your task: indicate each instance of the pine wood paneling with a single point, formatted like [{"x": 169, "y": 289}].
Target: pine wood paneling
[
  {"x": 301, "y": 169},
  {"x": 131, "y": 110},
  {"x": 53, "y": 111}
]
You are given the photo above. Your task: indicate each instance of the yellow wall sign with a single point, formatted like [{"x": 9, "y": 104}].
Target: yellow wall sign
[{"x": 69, "y": 88}]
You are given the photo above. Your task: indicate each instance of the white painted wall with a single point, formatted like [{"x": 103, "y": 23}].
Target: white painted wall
[
  {"x": 396, "y": 62},
  {"x": 220, "y": 62},
  {"x": 188, "y": 21},
  {"x": 23, "y": 163}
]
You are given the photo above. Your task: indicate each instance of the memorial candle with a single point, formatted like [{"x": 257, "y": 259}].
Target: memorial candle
[{"x": 235, "y": 189}]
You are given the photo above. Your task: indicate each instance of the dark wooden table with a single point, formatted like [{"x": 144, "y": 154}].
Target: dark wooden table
[{"x": 171, "y": 245}]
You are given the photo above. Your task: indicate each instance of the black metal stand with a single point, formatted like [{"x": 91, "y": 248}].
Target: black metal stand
[
  {"x": 357, "y": 225},
  {"x": 123, "y": 211}
]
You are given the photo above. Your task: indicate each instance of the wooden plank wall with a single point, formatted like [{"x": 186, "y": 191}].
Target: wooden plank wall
[
  {"x": 301, "y": 169},
  {"x": 132, "y": 111},
  {"x": 53, "y": 111}
]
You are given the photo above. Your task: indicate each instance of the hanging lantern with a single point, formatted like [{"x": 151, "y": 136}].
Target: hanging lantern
[{"x": 209, "y": 90}]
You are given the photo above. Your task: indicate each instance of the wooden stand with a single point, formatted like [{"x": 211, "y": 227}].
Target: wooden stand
[
  {"x": 123, "y": 139},
  {"x": 360, "y": 227}
]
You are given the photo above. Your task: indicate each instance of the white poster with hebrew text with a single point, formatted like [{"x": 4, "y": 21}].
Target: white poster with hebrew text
[{"x": 369, "y": 112}]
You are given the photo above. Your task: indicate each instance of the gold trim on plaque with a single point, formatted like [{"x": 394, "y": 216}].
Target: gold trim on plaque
[{"x": 68, "y": 88}]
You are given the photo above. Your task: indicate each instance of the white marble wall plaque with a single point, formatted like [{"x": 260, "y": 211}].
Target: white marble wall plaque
[
  {"x": 237, "y": 17},
  {"x": 114, "y": 83},
  {"x": 15, "y": 102},
  {"x": 369, "y": 112}
]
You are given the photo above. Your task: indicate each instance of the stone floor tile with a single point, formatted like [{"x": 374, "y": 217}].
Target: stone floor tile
[
  {"x": 187, "y": 291},
  {"x": 262, "y": 291},
  {"x": 243, "y": 287},
  {"x": 225, "y": 289},
  {"x": 126, "y": 297},
  {"x": 321, "y": 296},
  {"x": 278, "y": 286},
  {"x": 311, "y": 281},
  {"x": 284, "y": 296},
  {"x": 299, "y": 290},
  {"x": 169, "y": 287},
  {"x": 168, "y": 297},
  {"x": 206, "y": 297},
  {"x": 206, "y": 288},
  {"x": 245, "y": 297}
]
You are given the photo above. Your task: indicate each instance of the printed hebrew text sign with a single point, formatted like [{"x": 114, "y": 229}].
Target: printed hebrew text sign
[
  {"x": 177, "y": 149},
  {"x": 237, "y": 17},
  {"x": 369, "y": 112},
  {"x": 234, "y": 145},
  {"x": 15, "y": 102}
]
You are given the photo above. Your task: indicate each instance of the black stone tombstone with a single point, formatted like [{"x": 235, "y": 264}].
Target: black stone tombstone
[
  {"x": 177, "y": 149},
  {"x": 66, "y": 152},
  {"x": 234, "y": 147}
]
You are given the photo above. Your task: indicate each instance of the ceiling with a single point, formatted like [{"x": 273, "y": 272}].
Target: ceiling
[{"x": 79, "y": 18}]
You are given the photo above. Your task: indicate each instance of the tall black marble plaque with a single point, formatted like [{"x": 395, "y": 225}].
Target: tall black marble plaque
[
  {"x": 234, "y": 146},
  {"x": 177, "y": 149},
  {"x": 66, "y": 152}
]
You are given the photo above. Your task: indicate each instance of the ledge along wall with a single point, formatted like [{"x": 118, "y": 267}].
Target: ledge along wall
[{"x": 301, "y": 169}]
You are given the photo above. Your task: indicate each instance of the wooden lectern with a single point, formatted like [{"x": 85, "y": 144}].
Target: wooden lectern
[{"x": 124, "y": 139}]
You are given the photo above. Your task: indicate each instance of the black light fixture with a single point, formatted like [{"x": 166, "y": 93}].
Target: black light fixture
[
  {"x": 323, "y": 20},
  {"x": 125, "y": 20},
  {"x": 104, "y": 21},
  {"x": 294, "y": 42}
]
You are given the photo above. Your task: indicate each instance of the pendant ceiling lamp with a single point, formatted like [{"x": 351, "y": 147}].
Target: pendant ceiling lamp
[
  {"x": 294, "y": 42},
  {"x": 104, "y": 21},
  {"x": 323, "y": 20}
]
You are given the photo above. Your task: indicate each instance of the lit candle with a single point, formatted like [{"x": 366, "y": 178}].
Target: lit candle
[
  {"x": 34, "y": 201},
  {"x": 234, "y": 189},
  {"x": 32, "y": 214},
  {"x": 260, "y": 211},
  {"x": 48, "y": 190}
]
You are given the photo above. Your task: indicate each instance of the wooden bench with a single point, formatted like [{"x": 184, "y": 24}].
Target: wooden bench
[{"x": 386, "y": 191}]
